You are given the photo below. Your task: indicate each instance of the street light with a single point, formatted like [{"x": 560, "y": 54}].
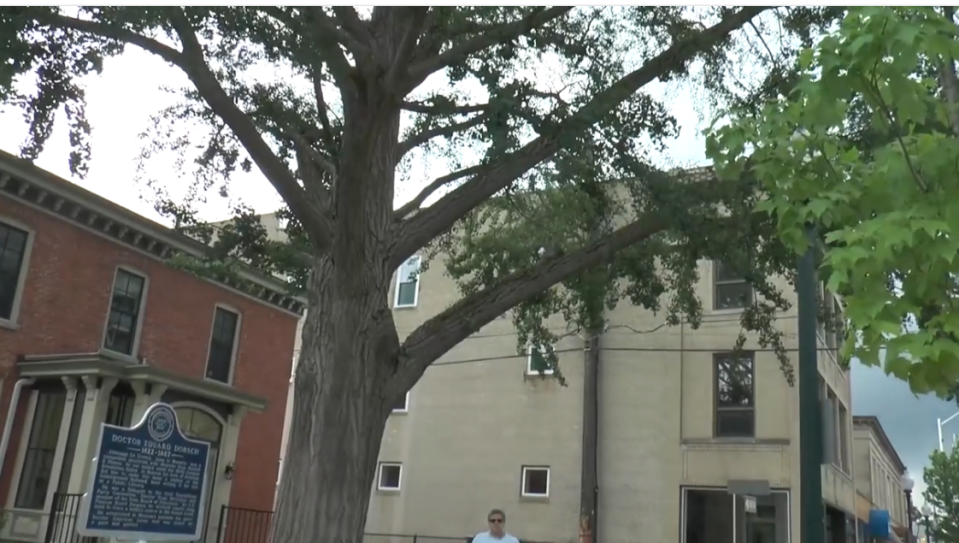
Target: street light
[
  {"x": 940, "y": 423},
  {"x": 926, "y": 511},
  {"x": 908, "y": 483}
]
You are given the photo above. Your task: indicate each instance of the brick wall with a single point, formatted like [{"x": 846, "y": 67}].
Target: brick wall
[{"x": 63, "y": 310}]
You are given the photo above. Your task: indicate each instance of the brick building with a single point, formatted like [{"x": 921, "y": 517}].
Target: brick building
[{"x": 95, "y": 327}]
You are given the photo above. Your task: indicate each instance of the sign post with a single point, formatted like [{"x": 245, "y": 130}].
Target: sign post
[{"x": 148, "y": 483}]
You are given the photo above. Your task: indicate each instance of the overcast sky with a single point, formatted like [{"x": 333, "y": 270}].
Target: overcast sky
[{"x": 121, "y": 101}]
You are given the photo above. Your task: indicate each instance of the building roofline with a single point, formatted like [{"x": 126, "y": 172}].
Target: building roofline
[
  {"x": 872, "y": 422},
  {"x": 23, "y": 181}
]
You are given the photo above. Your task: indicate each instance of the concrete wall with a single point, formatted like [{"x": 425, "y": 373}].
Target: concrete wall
[{"x": 476, "y": 418}]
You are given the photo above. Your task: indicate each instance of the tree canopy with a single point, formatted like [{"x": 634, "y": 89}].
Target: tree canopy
[
  {"x": 865, "y": 150},
  {"x": 550, "y": 198},
  {"x": 942, "y": 495}
]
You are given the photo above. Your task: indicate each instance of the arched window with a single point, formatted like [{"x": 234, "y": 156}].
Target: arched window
[{"x": 198, "y": 424}]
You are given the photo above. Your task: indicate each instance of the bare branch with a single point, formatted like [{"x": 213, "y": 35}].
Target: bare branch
[
  {"x": 328, "y": 38},
  {"x": 355, "y": 28},
  {"x": 498, "y": 34},
  {"x": 419, "y": 229},
  {"x": 165, "y": 52},
  {"x": 315, "y": 220},
  {"x": 420, "y": 107},
  {"x": 442, "y": 332},
  {"x": 320, "y": 160},
  {"x": 436, "y": 185},
  {"x": 419, "y": 139},
  {"x": 411, "y": 35}
]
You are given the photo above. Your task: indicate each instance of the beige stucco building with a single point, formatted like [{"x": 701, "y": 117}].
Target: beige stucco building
[
  {"x": 480, "y": 430},
  {"x": 879, "y": 472}
]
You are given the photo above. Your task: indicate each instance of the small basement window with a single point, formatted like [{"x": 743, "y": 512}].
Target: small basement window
[
  {"x": 535, "y": 482},
  {"x": 390, "y": 476},
  {"x": 403, "y": 404},
  {"x": 536, "y": 363}
]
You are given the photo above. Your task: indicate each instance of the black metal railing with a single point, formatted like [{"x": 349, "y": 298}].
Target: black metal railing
[
  {"x": 234, "y": 525},
  {"x": 62, "y": 526},
  {"x": 412, "y": 538}
]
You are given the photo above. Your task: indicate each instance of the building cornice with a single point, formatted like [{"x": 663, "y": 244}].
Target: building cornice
[
  {"x": 36, "y": 187},
  {"x": 872, "y": 422}
]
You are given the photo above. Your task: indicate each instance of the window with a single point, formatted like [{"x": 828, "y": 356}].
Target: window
[
  {"x": 536, "y": 362},
  {"x": 124, "y": 312},
  {"x": 13, "y": 246},
  {"x": 735, "y": 398},
  {"x": 408, "y": 283},
  {"x": 41, "y": 448},
  {"x": 535, "y": 482},
  {"x": 390, "y": 476},
  {"x": 222, "y": 343},
  {"x": 732, "y": 291},
  {"x": 844, "y": 440},
  {"x": 403, "y": 404},
  {"x": 830, "y": 427}
]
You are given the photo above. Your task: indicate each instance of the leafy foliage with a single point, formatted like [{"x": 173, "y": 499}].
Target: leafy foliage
[
  {"x": 864, "y": 148},
  {"x": 942, "y": 495}
]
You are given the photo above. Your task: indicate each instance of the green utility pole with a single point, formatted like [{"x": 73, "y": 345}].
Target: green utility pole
[{"x": 811, "y": 512}]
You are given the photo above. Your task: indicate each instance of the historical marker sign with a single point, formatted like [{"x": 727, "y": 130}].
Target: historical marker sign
[{"x": 148, "y": 482}]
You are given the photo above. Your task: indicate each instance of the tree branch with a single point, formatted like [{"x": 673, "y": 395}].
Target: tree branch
[
  {"x": 436, "y": 185},
  {"x": 328, "y": 37},
  {"x": 498, "y": 34},
  {"x": 419, "y": 229},
  {"x": 420, "y": 107},
  {"x": 355, "y": 29},
  {"x": 317, "y": 223},
  {"x": 442, "y": 332},
  {"x": 165, "y": 52},
  {"x": 419, "y": 139},
  {"x": 411, "y": 35}
]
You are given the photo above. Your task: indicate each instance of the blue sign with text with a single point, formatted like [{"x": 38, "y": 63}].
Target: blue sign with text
[{"x": 148, "y": 482}]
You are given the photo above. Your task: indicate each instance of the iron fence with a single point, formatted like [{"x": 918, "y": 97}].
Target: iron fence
[
  {"x": 414, "y": 538},
  {"x": 62, "y": 526},
  {"x": 234, "y": 525}
]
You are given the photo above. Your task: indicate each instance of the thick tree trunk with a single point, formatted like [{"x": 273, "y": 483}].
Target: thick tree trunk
[{"x": 340, "y": 412}]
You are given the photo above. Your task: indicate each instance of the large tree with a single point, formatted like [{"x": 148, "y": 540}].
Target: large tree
[
  {"x": 866, "y": 151},
  {"x": 562, "y": 210},
  {"x": 942, "y": 496}
]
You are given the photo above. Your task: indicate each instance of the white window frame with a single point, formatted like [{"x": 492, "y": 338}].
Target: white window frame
[
  {"x": 138, "y": 333},
  {"x": 399, "y": 280},
  {"x": 529, "y": 362},
  {"x": 522, "y": 483},
  {"x": 236, "y": 342},
  {"x": 24, "y": 271},
  {"x": 406, "y": 405},
  {"x": 379, "y": 477}
]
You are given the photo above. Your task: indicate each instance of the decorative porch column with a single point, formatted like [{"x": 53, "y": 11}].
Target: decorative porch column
[
  {"x": 222, "y": 487},
  {"x": 94, "y": 412},
  {"x": 147, "y": 394}
]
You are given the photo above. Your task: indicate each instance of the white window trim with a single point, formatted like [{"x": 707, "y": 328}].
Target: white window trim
[
  {"x": 684, "y": 500},
  {"x": 379, "y": 477},
  {"x": 14, "y": 319},
  {"x": 522, "y": 482},
  {"x": 406, "y": 405},
  {"x": 529, "y": 362},
  {"x": 716, "y": 283},
  {"x": 134, "y": 353},
  {"x": 236, "y": 342},
  {"x": 416, "y": 290}
]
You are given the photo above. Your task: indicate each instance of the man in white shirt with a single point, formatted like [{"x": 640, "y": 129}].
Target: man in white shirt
[{"x": 497, "y": 529}]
